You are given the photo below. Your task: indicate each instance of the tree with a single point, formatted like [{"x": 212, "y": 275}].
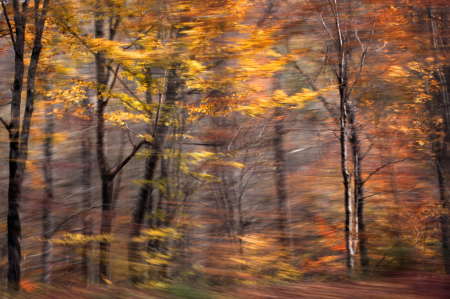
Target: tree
[
  {"x": 47, "y": 216},
  {"x": 345, "y": 54},
  {"x": 429, "y": 21},
  {"x": 18, "y": 137}
]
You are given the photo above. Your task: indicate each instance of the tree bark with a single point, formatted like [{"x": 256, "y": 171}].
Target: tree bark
[
  {"x": 15, "y": 176},
  {"x": 444, "y": 219},
  {"x": 106, "y": 228},
  {"x": 106, "y": 173},
  {"x": 343, "y": 80},
  {"x": 87, "y": 199},
  {"x": 18, "y": 139},
  {"x": 107, "y": 177},
  {"x": 286, "y": 241},
  {"x": 360, "y": 225},
  {"x": 440, "y": 146},
  {"x": 144, "y": 201},
  {"x": 47, "y": 217}
]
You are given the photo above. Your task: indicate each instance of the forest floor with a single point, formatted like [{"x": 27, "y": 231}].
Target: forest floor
[{"x": 411, "y": 286}]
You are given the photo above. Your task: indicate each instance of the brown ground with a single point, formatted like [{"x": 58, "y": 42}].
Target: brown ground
[{"x": 411, "y": 286}]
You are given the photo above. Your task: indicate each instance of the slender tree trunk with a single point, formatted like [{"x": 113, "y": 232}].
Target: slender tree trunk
[
  {"x": 87, "y": 201},
  {"x": 106, "y": 190},
  {"x": 440, "y": 74},
  {"x": 143, "y": 203},
  {"x": 15, "y": 176},
  {"x": 107, "y": 177},
  {"x": 18, "y": 139},
  {"x": 118, "y": 182},
  {"x": 343, "y": 78},
  {"x": 440, "y": 152},
  {"x": 47, "y": 217},
  {"x": 106, "y": 229},
  {"x": 286, "y": 241},
  {"x": 439, "y": 160},
  {"x": 156, "y": 245},
  {"x": 360, "y": 226},
  {"x": 163, "y": 221},
  {"x": 440, "y": 147}
]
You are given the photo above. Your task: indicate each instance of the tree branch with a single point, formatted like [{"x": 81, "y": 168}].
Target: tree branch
[
  {"x": 5, "y": 124},
  {"x": 113, "y": 82},
  {"x": 9, "y": 25},
  {"x": 383, "y": 166},
  {"x": 130, "y": 156},
  {"x": 199, "y": 143},
  {"x": 70, "y": 217},
  {"x": 5, "y": 104},
  {"x": 323, "y": 24}
]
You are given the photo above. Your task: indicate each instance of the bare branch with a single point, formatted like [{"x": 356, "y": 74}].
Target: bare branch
[
  {"x": 331, "y": 65},
  {"x": 5, "y": 104},
  {"x": 113, "y": 82},
  {"x": 129, "y": 136},
  {"x": 5, "y": 124},
  {"x": 323, "y": 24},
  {"x": 234, "y": 137},
  {"x": 198, "y": 143},
  {"x": 367, "y": 152},
  {"x": 383, "y": 166},
  {"x": 314, "y": 88},
  {"x": 161, "y": 97},
  {"x": 130, "y": 156},
  {"x": 9, "y": 25},
  {"x": 70, "y": 217}
]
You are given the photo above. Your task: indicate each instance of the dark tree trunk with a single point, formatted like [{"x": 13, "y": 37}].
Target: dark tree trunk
[
  {"x": 439, "y": 148},
  {"x": 15, "y": 176},
  {"x": 442, "y": 109},
  {"x": 47, "y": 216},
  {"x": 106, "y": 228},
  {"x": 143, "y": 203},
  {"x": 87, "y": 199},
  {"x": 105, "y": 172},
  {"x": 107, "y": 175},
  {"x": 164, "y": 196},
  {"x": 280, "y": 179},
  {"x": 445, "y": 203},
  {"x": 106, "y": 191},
  {"x": 18, "y": 140}
]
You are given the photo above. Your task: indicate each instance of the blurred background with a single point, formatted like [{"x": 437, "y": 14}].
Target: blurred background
[{"x": 225, "y": 148}]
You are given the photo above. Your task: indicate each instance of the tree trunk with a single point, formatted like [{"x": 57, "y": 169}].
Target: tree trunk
[
  {"x": 440, "y": 147},
  {"x": 47, "y": 217},
  {"x": 143, "y": 203},
  {"x": 440, "y": 153},
  {"x": 439, "y": 160},
  {"x": 106, "y": 228},
  {"x": 106, "y": 174},
  {"x": 286, "y": 241},
  {"x": 15, "y": 175},
  {"x": 107, "y": 177},
  {"x": 87, "y": 201},
  {"x": 164, "y": 197},
  {"x": 343, "y": 79},
  {"x": 360, "y": 226},
  {"x": 18, "y": 139}
]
